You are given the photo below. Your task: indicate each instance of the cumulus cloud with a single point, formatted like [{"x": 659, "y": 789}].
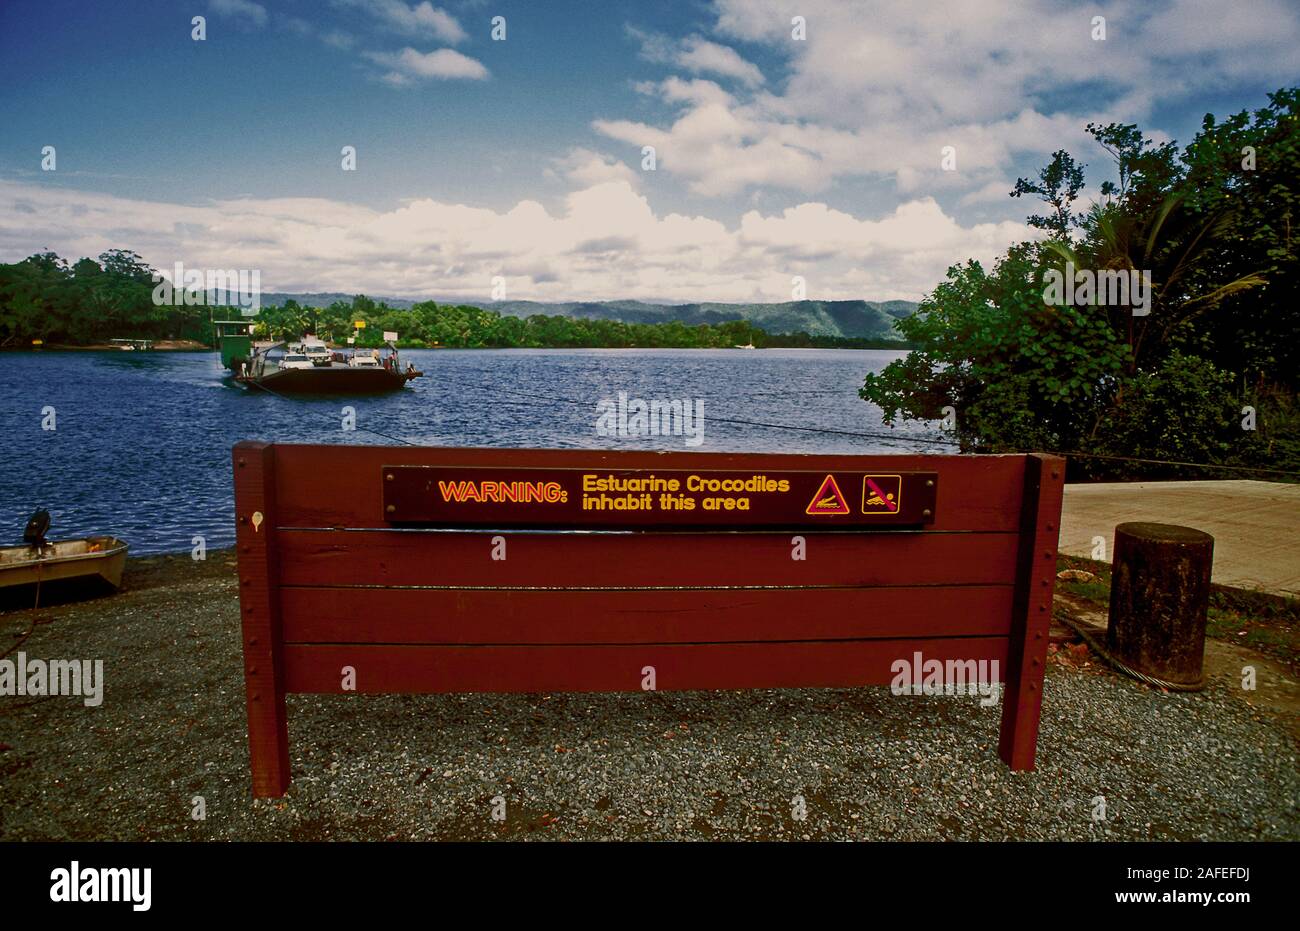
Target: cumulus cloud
[
  {"x": 338, "y": 39},
  {"x": 697, "y": 55},
  {"x": 335, "y": 38},
  {"x": 409, "y": 65},
  {"x": 245, "y": 10},
  {"x": 421, "y": 19},
  {"x": 881, "y": 98},
  {"x": 604, "y": 242},
  {"x": 584, "y": 168}
]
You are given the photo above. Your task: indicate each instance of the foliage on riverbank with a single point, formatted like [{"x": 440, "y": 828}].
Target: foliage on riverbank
[
  {"x": 89, "y": 301},
  {"x": 1215, "y": 227},
  {"x": 45, "y": 298},
  {"x": 463, "y": 327}
]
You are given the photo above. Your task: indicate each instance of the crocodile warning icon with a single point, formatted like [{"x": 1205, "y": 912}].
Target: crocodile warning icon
[{"x": 828, "y": 499}]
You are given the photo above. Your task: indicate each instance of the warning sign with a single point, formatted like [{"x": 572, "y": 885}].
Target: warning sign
[
  {"x": 828, "y": 499},
  {"x": 604, "y": 496},
  {"x": 882, "y": 494}
]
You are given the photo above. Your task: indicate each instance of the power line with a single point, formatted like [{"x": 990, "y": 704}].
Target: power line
[
  {"x": 1172, "y": 462},
  {"x": 889, "y": 438}
]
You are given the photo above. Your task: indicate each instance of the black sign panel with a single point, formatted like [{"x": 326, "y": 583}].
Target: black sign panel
[{"x": 667, "y": 499}]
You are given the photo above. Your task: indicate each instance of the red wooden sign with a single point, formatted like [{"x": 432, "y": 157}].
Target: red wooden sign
[{"x": 461, "y": 588}]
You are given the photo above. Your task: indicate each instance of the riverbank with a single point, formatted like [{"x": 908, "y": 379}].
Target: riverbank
[
  {"x": 190, "y": 345},
  {"x": 690, "y": 765},
  {"x": 156, "y": 345}
]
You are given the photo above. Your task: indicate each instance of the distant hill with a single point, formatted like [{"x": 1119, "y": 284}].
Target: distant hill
[
  {"x": 870, "y": 319},
  {"x": 817, "y": 318},
  {"x": 326, "y": 298}
]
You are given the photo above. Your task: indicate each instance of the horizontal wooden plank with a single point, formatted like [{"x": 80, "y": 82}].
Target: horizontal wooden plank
[
  {"x": 811, "y": 664},
  {"x": 341, "y": 486},
  {"x": 391, "y": 557},
  {"x": 478, "y": 616}
]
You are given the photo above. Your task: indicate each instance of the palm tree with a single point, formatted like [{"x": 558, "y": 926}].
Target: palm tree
[{"x": 1170, "y": 247}]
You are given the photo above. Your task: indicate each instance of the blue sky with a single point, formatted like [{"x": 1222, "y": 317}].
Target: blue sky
[{"x": 777, "y": 156}]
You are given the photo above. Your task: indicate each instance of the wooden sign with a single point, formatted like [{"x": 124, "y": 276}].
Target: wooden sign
[
  {"x": 660, "y": 498},
  {"x": 454, "y": 591}
]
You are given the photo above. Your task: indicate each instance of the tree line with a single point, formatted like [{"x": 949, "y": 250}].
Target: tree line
[{"x": 46, "y": 298}]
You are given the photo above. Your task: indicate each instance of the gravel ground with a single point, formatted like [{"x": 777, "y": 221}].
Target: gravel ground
[{"x": 684, "y": 765}]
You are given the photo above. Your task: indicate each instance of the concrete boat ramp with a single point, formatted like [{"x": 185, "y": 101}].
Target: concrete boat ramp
[{"x": 1255, "y": 525}]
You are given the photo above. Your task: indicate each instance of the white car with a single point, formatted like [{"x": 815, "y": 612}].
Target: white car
[
  {"x": 317, "y": 353},
  {"x": 295, "y": 360},
  {"x": 366, "y": 361}
]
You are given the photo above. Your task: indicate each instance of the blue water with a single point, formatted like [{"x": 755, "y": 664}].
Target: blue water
[{"x": 141, "y": 448}]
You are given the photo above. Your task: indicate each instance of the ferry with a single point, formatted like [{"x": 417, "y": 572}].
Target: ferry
[{"x": 308, "y": 366}]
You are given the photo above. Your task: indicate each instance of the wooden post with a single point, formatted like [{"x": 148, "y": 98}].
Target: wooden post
[
  {"x": 1022, "y": 702},
  {"x": 1159, "y": 596},
  {"x": 255, "y": 514}
]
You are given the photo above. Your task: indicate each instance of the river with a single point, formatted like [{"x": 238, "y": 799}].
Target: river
[{"x": 141, "y": 442}]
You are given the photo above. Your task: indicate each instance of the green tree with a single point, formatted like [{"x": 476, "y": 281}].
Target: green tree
[
  {"x": 1212, "y": 228},
  {"x": 1058, "y": 186}
]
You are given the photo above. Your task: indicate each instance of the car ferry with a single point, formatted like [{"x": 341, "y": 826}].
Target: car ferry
[{"x": 309, "y": 367}]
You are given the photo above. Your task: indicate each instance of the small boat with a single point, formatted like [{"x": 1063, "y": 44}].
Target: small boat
[
  {"x": 37, "y": 574},
  {"x": 41, "y": 571}
]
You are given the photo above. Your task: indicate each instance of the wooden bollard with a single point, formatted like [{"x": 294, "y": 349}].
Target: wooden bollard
[{"x": 1159, "y": 596}]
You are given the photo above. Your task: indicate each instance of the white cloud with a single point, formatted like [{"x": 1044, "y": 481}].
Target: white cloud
[
  {"x": 445, "y": 63},
  {"x": 702, "y": 56},
  {"x": 697, "y": 55},
  {"x": 721, "y": 145},
  {"x": 993, "y": 192},
  {"x": 1234, "y": 39},
  {"x": 334, "y": 38},
  {"x": 253, "y": 13},
  {"x": 880, "y": 97},
  {"x": 584, "y": 168},
  {"x": 338, "y": 39},
  {"x": 605, "y": 242},
  {"x": 421, "y": 19}
]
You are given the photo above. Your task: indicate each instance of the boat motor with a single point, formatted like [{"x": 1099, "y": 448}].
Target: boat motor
[{"x": 37, "y": 525}]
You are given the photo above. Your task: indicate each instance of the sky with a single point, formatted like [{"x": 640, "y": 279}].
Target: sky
[{"x": 778, "y": 151}]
